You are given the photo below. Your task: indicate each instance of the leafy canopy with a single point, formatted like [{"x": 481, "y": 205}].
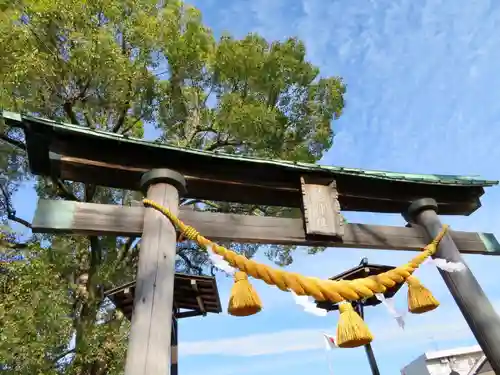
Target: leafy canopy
[{"x": 136, "y": 68}]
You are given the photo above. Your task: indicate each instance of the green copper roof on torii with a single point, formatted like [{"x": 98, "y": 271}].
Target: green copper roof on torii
[{"x": 16, "y": 119}]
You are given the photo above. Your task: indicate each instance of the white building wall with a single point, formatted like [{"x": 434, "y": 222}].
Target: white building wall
[
  {"x": 443, "y": 362},
  {"x": 417, "y": 367},
  {"x": 461, "y": 364}
]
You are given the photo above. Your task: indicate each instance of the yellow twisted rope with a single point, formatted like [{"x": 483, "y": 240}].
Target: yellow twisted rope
[{"x": 320, "y": 290}]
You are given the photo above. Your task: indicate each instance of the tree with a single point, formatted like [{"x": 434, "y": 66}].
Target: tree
[{"x": 122, "y": 66}]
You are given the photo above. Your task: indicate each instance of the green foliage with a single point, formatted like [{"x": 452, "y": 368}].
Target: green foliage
[
  {"x": 249, "y": 97},
  {"x": 34, "y": 311},
  {"x": 119, "y": 66}
]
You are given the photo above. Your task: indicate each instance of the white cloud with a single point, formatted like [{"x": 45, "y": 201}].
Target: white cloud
[
  {"x": 445, "y": 324},
  {"x": 266, "y": 365},
  {"x": 254, "y": 345},
  {"x": 311, "y": 339}
]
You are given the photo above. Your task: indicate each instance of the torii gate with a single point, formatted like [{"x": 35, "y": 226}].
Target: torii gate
[{"x": 164, "y": 173}]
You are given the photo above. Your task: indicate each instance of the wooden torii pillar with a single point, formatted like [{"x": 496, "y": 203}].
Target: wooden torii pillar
[
  {"x": 149, "y": 347},
  {"x": 470, "y": 298}
]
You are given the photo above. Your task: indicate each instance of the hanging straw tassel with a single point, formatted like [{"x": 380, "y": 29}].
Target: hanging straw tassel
[
  {"x": 352, "y": 331},
  {"x": 420, "y": 299},
  {"x": 244, "y": 300}
]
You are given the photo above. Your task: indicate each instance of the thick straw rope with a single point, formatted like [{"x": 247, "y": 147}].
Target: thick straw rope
[{"x": 320, "y": 290}]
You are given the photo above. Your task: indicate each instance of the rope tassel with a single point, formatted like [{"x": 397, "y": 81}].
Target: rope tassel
[
  {"x": 352, "y": 330},
  {"x": 420, "y": 299},
  {"x": 244, "y": 300}
]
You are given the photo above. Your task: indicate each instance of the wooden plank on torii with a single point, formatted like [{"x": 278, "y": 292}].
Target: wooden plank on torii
[
  {"x": 100, "y": 219},
  {"x": 321, "y": 208}
]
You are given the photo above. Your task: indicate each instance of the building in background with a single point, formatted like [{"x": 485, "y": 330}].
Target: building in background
[{"x": 459, "y": 361}]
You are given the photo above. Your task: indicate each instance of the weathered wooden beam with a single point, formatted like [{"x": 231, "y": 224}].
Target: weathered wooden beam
[
  {"x": 321, "y": 208},
  {"x": 96, "y": 219},
  {"x": 256, "y": 184},
  {"x": 199, "y": 187}
]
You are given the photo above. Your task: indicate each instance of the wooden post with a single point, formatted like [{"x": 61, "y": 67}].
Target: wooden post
[
  {"x": 368, "y": 348},
  {"x": 477, "y": 310},
  {"x": 174, "y": 369},
  {"x": 150, "y": 334}
]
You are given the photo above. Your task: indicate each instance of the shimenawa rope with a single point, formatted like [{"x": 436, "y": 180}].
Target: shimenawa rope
[{"x": 351, "y": 330}]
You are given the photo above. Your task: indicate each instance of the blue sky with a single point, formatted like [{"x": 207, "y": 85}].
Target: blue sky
[{"x": 422, "y": 82}]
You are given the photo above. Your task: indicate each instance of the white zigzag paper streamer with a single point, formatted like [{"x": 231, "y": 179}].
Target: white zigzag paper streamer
[
  {"x": 446, "y": 265},
  {"x": 389, "y": 304},
  {"x": 308, "y": 305},
  {"x": 219, "y": 262}
]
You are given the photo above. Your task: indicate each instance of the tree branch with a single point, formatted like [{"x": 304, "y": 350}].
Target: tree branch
[
  {"x": 196, "y": 201},
  {"x": 95, "y": 257},
  {"x": 68, "y": 109},
  {"x": 13, "y": 245},
  {"x": 130, "y": 127},
  {"x": 123, "y": 114},
  {"x": 11, "y": 212},
  {"x": 189, "y": 263},
  {"x": 61, "y": 356},
  {"x": 64, "y": 191},
  {"x": 220, "y": 144},
  {"x": 199, "y": 129},
  {"x": 89, "y": 121},
  {"x": 126, "y": 105},
  {"x": 90, "y": 191},
  {"x": 13, "y": 217},
  {"x": 13, "y": 142},
  {"x": 127, "y": 247},
  {"x": 83, "y": 92},
  {"x": 132, "y": 254}
]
